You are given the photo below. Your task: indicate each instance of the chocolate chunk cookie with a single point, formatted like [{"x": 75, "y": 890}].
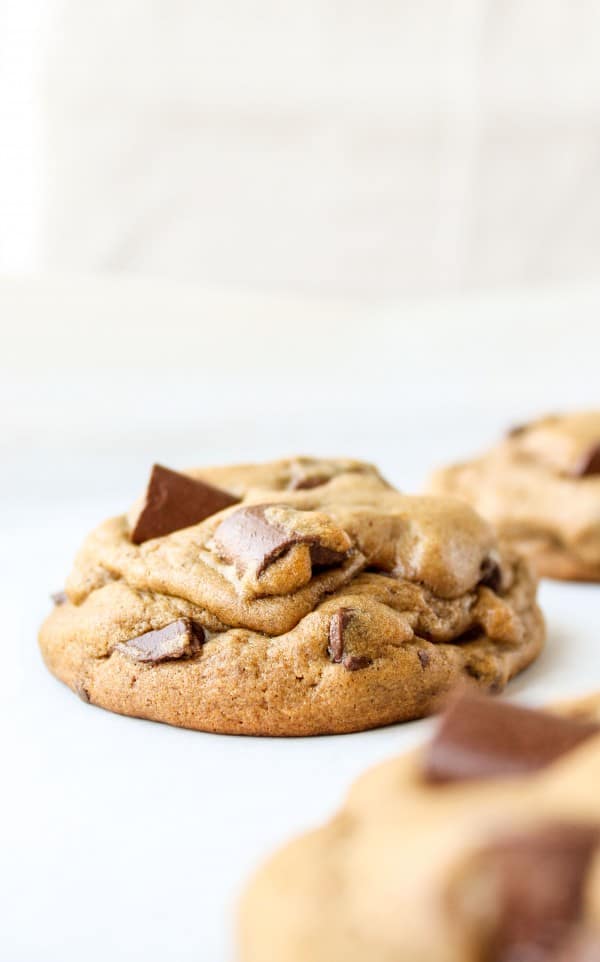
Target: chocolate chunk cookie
[
  {"x": 482, "y": 847},
  {"x": 293, "y": 598},
  {"x": 540, "y": 486}
]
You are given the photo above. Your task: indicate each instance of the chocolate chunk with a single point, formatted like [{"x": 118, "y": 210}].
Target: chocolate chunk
[
  {"x": 516, "y": 430},
  {"x": 81, "y": 690},
  {"x": 589, "y": 464},
  {"x": 539, "y": 879},
  {"x": 337, "y": 624},
  {"x": 247, "y": 538},
  {"x": 423, "y": 657},
  {"x": 322, "y": 557},
  {"x": 59, "y": 598},
  {"x": 181, "y": 639},
  {"x": 584, "y": 946},
  {"x": 491, "y": 574},
  {"x": 175, "y": 501},
  {"x": 356, "y": 662},
  {"x": 481, "y": 738},
  {"x": 336, "y": 648},
  {"x": 308, "y": 481}
]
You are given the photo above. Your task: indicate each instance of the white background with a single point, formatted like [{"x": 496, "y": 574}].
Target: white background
[
  {"x": 361, "y": 148},
  {"x": 127, "y": 840}
]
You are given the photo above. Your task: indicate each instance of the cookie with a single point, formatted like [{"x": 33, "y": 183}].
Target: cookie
[
  {"x": 293, "y": 598},
  {"x": 482, "y": 847},
  {"x": 540, "y": 487}
]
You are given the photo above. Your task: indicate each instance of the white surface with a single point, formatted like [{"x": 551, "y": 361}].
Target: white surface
[{"x": 127, "y": 840}]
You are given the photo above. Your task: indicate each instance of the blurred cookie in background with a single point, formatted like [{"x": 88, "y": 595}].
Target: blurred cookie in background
[
  {"x": 482, "y": 847},
  {"x": 540, "y": 486}
]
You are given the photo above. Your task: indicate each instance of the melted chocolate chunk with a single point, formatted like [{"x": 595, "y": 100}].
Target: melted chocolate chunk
[
  {"x": 82, "y": 691},
  {"x": 584, "y": 946},
  {"x": 481, "y": 738},
  {"x": 356, "y": 662},
  {"x": 589, "y": 464},
  {"x": 247, "y": 538},
  {"x": 308, "y": 481},
  {"x": 491, "y": 574},
  {"x": 338, "y": 623},
  {"x": 539, "y": 879},
  {"x": 59, "y": 598},
  {"x": 423, "y": 657},
  {"x": 181, "y": 639},
  {"x": 322, "y": 557},
  {"x": 175, "y": 501},
  {"x": 336, "y": 648},
  {"x": 516, "y": 430}
]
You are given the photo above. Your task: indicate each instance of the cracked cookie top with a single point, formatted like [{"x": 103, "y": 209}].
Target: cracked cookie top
[{"x": 278, "y": 550}]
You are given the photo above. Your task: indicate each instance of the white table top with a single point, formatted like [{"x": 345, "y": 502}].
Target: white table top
[{"x": 123, "y": 839}]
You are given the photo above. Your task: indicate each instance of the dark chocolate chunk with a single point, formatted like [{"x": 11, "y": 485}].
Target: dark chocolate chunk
[
  {"x": 589, "y": 464},
  {"x": 322, "y": 557},
  {"x": 175, "y": 501},
  {"x": 481, "y": 737},
  {"x": 356, "y": 662},
  {"x": 337, "y": 624},
  {"x": 81, "y": 690},
  {"x": 491, "y": 574},
  {"x": 248, "y": 538},
  {"x": 583, "y": 946},
  {"x": 516, "y": 430},
  {"x": 423, "y": 657},
  {"x": 59, "y": 598},
  {"x": 308, "y": 481},
  {"x": 181, "y": 639},
  {"x": 539, "y": 879},
  {"x": 336, "y": 648}
]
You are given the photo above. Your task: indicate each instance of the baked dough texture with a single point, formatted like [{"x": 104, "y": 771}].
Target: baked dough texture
[
  {"x": 402, "y": 871},
  {"x": 322, "y": 601},
  {"x": 540, "y": 487}
]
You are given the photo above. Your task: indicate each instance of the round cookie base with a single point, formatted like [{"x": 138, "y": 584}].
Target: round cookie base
[
  {"x": 559, "y": 565},
  {"x": 211, "y": 693}
]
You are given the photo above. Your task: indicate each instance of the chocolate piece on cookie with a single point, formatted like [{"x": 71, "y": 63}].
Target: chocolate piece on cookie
[
  {"x": 481, "y": 738},
  {"x": 181, "y": 639},
  {"x": 252, "y": 537},
  {"x": 589, "y": 464},
  {"x": 501, "y": 868},
  {"x": 537, "y": 877},
  {"x": 491, "y": 574},
  {"x": 316, "y": 603},
  {"x": 540, "y": 486},
  {"x": 582, "y": 946},
  {"x": 338, "y": 652},
  {"x": 337, "y": 624},
  {"x": 59, "y": 597},
  {"x": 173, "y": 501}
]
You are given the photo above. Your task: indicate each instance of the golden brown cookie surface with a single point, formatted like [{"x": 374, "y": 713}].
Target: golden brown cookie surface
[
  {"x": 498, "y": 861},
  {"x": 540, "y": 487},
  {"x": 319, "y": 600}
]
